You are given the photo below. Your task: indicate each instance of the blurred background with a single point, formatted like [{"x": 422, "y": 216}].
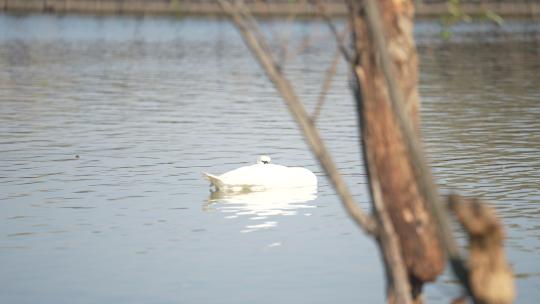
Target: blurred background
[{"x": 110, "y": 111}]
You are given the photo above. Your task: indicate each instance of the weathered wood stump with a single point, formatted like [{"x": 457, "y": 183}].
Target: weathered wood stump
[{"x": 490, "y": 276}]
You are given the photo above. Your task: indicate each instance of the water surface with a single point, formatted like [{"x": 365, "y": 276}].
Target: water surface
[{"x": 106, "y": 124}]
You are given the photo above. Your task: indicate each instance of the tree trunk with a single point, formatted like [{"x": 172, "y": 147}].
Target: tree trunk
[{"x": 413, "y": 223}]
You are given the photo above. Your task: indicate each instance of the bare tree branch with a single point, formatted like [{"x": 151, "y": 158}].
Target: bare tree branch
[
  {"x": 259, "y": 49},
  {"x": 250, "y": 22},
  {"x": 333, "y": 29},
  {"x": 284, "y": 40},
  {"x": 329, "y": 76},
  {"x": 420, "y": 166},
  {"x": 305, "y": 44}
]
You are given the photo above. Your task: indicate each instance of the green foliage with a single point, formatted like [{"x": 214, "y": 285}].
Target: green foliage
[
  {"x": 175, "y": 4},
  {"x": 494, "y": 17},
  {"x": 456, "y": 15}
]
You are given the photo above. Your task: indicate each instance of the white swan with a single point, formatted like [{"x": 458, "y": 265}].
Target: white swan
[{"x": 262, "y": 176}]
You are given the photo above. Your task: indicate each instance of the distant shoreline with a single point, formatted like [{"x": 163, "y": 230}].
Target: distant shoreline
[{"x": 276, "y": 8}]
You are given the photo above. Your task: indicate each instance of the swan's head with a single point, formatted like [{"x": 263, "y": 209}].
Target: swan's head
[{"x": 264, "y": 159}]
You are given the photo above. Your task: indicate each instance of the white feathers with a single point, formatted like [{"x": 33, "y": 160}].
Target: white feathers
[
  {"x": 264, "y": 159},
  {"x": 214, "y": 180},
  {"x": 263, "y": 176}
]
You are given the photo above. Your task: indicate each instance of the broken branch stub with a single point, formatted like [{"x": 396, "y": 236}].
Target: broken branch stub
[{"x": 490, "y": 276}]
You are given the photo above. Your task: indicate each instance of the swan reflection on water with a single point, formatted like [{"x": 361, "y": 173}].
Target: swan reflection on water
[{"x": 261, "y": 205}]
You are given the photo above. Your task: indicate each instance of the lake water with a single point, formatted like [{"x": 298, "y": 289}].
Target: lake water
[{"x": 106, "y": 124}]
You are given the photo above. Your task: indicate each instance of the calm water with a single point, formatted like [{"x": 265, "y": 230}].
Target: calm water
[{"x": 107, "y": 123}]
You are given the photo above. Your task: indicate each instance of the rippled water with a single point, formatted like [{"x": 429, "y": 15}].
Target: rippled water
[{"x": 106, "y": 124}]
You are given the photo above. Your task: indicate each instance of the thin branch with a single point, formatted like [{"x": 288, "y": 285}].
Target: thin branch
[
  {"x": 250, "y": 22},
  {"x": 366, "y": 222},
  {"x": 284, "y": 39},
  {"x": 388, "y": 240},
  {"x": 333, "y": 29},
  {"x": 420, "y": 166},
  {"x": 304, "y": 44},
  {"x": 329, "y": 76}
]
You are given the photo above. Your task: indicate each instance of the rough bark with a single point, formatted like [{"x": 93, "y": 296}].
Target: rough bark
[
  {"x": 490, "y": 276},
  {"x": 421, "y": 250}
]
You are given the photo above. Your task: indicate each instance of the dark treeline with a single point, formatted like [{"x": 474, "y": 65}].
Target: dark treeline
[{"x": 425, "y": 8}]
